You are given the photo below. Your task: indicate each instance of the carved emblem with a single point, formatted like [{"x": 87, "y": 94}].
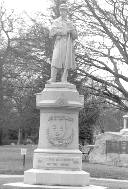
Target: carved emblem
[
  {"x": 60, "y": 131},
  {"x": 62, "y": 101}
]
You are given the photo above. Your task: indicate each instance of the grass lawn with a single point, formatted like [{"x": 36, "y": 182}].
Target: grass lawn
[
  {"x": 11, "y": 162},
  {"x": 9, "y": 180},
  {"x": 106, "y": 171}
]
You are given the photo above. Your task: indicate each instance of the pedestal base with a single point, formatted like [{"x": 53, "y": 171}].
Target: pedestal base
[
  {"x": 56, "y": 177},
  {"x": 22, "y": 185}
]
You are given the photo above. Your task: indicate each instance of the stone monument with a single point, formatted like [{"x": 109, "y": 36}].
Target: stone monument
[
  {"x": 112, "y": 147},
  {"x": 124, "y": 131},
  {"x": 57, "y": 159}
]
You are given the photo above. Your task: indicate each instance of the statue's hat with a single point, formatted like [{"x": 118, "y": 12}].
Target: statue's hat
[{"x": 63, "y": 7}]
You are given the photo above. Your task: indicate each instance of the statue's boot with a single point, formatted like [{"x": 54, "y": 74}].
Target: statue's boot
[
  {"x": 53, "y": 75},
  {"x": 64, "y": 76}
]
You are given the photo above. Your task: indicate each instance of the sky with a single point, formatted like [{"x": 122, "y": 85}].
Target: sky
[{"x": 27, "y": 5}]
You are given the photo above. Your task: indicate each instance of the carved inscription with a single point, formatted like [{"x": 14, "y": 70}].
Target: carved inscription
[
  {"x": 59, "y": 163},
  {"x": 60, "y": 131},
  {"x": 119, "y": 147}
]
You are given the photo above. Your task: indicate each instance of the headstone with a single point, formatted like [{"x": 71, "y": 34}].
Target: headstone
[{"x": 110, "y": 148}]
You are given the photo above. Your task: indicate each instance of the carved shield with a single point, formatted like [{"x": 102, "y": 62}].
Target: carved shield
[{"x": 60, "y": 131}]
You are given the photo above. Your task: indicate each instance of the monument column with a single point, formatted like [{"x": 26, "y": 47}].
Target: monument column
[
  {"x": 125, "y": 121},
  {"x": 57, "y": 160},
  {"x": 124, "y": 131}
]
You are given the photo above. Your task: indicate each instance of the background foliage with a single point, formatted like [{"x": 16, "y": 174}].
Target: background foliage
[{"x": 101, "y": 74}]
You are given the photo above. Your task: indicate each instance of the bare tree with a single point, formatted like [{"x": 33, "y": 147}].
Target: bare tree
[
  {"x": 7, "y": 23},
  {"x": 103, "y": 48}
]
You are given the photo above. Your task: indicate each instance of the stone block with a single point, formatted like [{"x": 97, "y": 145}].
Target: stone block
[{"x": 56, "y": 177}]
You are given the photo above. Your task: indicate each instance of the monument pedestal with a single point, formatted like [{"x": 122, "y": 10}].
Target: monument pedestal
[
  {"x": 56, "y": 177},
  {"x": 57, "y": 160}
]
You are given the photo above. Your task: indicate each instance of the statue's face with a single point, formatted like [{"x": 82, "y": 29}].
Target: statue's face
[{"x": 63, "y": 13}]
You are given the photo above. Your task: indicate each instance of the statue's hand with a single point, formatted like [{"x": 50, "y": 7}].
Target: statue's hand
[
  {"x": 58, "y": 37},
  {"x": 69, "y": 31},
  {"x": 59, "y": 33}
]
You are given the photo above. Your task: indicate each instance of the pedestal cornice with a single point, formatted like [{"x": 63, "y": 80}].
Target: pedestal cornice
[{"x": 60, "y": 95}]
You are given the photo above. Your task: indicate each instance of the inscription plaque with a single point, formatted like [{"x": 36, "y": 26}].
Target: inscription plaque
[
  {"x": 59, "y": 163},
  {"x": 120, "y": 147}
]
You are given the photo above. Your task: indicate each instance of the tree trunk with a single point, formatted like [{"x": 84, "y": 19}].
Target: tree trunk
[
  {"x": 1, "y": 87},
  {"x": 1, "y": 100},
  {"x": 1, "y": 135},
  {"x": 19, "y": 137}
]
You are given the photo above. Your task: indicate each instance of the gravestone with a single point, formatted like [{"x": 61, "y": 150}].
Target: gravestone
[{"x": 110, "y": 148}]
